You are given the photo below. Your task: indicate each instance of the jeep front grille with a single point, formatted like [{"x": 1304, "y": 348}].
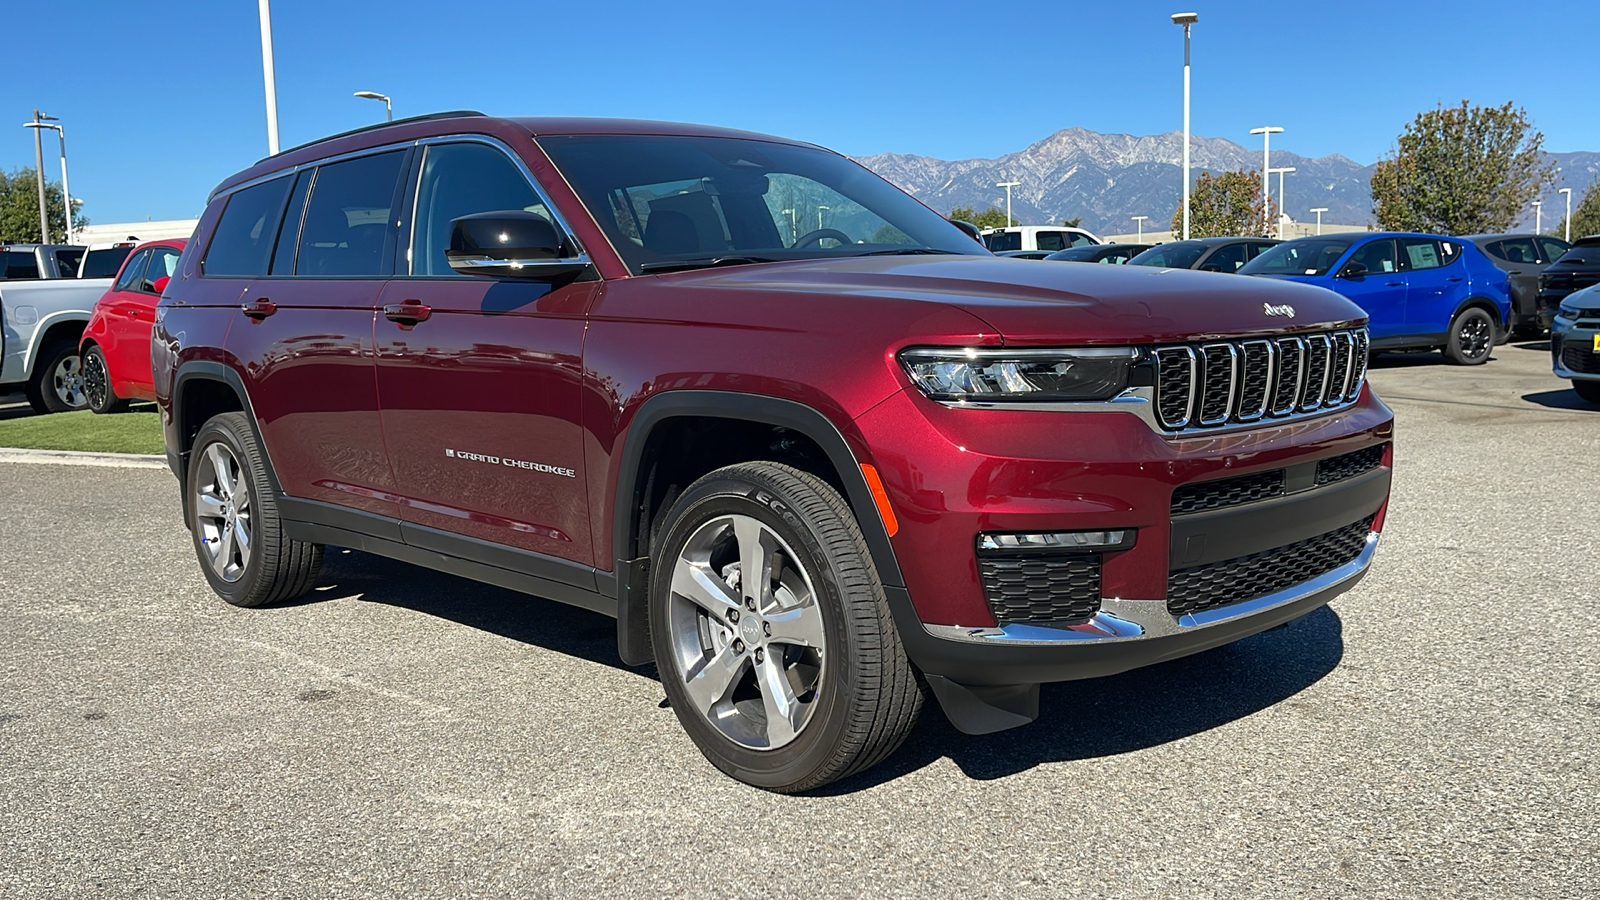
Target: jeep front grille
[
  {"x": 1259, "y": 574},
  {"x": 1221, "y": 383}
]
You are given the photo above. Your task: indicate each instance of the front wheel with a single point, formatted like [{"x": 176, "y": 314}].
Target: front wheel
[
  {"x": 97, "y": 383},
  {"x": 771, "y": 631},
  {"x": 233, "y": 519},
  {"x": 1471, "y": 338},
  {"x": 1588, "y": 391}
]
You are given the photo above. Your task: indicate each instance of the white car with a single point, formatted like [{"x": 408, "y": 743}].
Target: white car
[{"x": 1036, "y": 237}]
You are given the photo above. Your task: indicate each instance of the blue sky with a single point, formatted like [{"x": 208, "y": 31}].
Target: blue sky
[{"x": 162, "y": 101}]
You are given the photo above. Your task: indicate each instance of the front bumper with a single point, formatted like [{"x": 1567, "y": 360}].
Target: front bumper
[{"x": 1573, "y": 350}]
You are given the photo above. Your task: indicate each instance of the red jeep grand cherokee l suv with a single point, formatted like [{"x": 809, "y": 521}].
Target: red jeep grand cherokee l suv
[{"x": 811, "y": 446}]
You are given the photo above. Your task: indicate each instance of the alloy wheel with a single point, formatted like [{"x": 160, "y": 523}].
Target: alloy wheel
[
  {"x": 96, "y": 380},
  {"x": 1476, "y": 337},
  {"x": 67, "y": 382},
  {"x": 750, "y": 648},
  {"x": 223, "y": 515}
]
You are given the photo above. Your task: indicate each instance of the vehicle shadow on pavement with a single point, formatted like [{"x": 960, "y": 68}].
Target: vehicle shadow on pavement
[
  {"x": 1105, "y": 717},
  {"x": 1077, "y": 720},
  {"x": 1564, "y": 398}
]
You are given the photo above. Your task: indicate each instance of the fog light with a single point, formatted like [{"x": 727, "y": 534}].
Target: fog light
[{"x": 1056, "y": 540}]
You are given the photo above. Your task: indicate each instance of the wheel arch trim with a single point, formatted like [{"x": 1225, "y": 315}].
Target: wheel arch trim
[{"x": 216, "y": 372}]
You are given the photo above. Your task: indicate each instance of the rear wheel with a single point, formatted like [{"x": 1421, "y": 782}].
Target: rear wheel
[
  {"x": 1588, "y": 391},
  {"x": 233, "y": 519},
  {"x": 771, "y": 631},
  {"x": 97, "y": 383},
  {"x": 58, "y": 383},
  {"x": 1471, "y": 338}
]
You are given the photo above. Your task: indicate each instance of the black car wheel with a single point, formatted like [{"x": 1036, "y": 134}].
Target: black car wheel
[
  {"x": 97, "y": 383},
  {"x": 1471, "y": 338},
  {"x": 57, "y": 385},
  {"x": 771, "y": 631}
]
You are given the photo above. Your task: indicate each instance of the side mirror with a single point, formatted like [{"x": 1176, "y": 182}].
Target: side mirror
[
  {"x": 510, "y": 243},
  {"x": 160, "y": 284},
  {"x": 1352, "y": 270},
  {"x": 1211, "y": 267}
]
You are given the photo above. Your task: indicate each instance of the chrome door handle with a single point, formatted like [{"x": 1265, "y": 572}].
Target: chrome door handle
[{"x": 408, "y": 313}]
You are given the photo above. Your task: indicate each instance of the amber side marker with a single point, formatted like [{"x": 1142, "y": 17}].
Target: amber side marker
[{"x": 881, "y": 497}]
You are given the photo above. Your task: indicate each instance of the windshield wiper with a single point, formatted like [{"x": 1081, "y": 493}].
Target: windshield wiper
[
  {"x": 911, "y": 251},
  {"x": 700, "y": 262}
]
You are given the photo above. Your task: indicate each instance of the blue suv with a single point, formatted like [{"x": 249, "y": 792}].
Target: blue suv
[{"x": 1420, "y": 291}]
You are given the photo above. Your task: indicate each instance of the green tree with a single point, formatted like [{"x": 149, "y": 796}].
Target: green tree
[
  {"x": 1461, "y": 170},
  {"x": 1586, "y": 218},
  {"x": 1074, "y": 222},
  {"x": 19, "y": 208},
  {"x": 989, "y": 218},
  {"x": 1224, "y": 205}
]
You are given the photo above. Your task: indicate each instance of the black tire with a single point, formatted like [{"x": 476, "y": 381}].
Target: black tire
[
  {"x": 97, "y": 383},
  {"x": 866, "y": 696},
  {"x": 57, "y": 379},
  {"x": 274, "y": 568},
  {"x": 1588, "y": 391},
  {"x": 1472, "y": 337}
]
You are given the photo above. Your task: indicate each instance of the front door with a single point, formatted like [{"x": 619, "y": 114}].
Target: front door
[
  {"x": 1436, "y": 283},
  {"x": 1381, "y": 291},
  {"x": 480, "y": 378}
]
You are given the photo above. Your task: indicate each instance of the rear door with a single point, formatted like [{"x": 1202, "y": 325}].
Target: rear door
[
  {"x": 1436, "y": 283},
  {"x": 120, "y": 313},
  {"x": 1381, "y": 291},
  {"x": 135, "y": 320},
  {"x": 304, "y": 336},
  {"x": 480, "y": 377}
]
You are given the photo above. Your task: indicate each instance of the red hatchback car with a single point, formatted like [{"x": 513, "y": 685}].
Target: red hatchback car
[{"x": 115, "y": 347}]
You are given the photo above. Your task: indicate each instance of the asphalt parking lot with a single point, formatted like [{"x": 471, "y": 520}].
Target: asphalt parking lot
[{"x": 1433, "y": 733}]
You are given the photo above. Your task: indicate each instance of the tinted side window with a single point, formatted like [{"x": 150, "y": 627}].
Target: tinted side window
[
  {"x": 163, "y": 264},
  {"x": 1001, "y": 241},
  {"x": 133, "y": 272},
  {"x": 347, "y": 218},
  {"x": 1377, "y": 256},
  {"x": 104, "y": 263},
  {"x": 1051, "y": 240},
  {"x": 1226, "y": 259},
  {"x": 245, "y": 232},
  {"x": 1422, "y": 253},
  {"x": 1552, "y": 249},
  {"x": 1078, "y": 240},
  {"x": 1517, "y": 250},
  {"x": 289, "y": 235},
  {"x": 21, "y": 264},
  {"x": 67, "y": 262},
  {"x": 459, "y": 180}
]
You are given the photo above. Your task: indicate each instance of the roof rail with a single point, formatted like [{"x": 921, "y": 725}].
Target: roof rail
[{"x": 452, "y": 114}]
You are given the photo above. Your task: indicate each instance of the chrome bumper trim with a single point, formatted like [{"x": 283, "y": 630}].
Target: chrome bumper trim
[{"x": 1136, "y": 620}]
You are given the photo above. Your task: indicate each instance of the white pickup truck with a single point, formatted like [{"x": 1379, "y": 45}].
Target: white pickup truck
[{"x": 40, "y": 323}]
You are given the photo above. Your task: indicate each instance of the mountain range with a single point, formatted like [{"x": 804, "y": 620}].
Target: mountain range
[{"x": 1109, "y": 178}]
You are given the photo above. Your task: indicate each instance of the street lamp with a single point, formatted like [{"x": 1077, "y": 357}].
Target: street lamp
[
  {"x": 820, "y": 208},
  {"x": 1538, "y": 219},
  {"x": 1140, "y": 220},
  {"x": 388, "y": 110},
  {"x": 1568, "y": 220},
  {"x": 1008, "y": 185},
  {"x": 794, "y": 230},
  {"x": 1319, "y": 210},
  {"x": 1281, "y": 172},
  {"x": 38, "y": 176},
  {"x": 268, "y": 77},
  {"x": 1185, "y": 19},
  {"x": 66, "y": 191},
  {"x": 1266, "y": 132}
]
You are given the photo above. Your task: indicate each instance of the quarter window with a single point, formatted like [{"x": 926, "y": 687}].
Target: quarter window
[
  {"x": 244, "y": 234},
  {"x": 133, "y": 272},
  {"x": 1552, "y": 249},
  {"x": 460, "y": 180},
  {"x": 347, "y": 219}
]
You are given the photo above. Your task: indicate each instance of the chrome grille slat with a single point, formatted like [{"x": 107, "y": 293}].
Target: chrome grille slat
[{"x": 1216, "y": 384}]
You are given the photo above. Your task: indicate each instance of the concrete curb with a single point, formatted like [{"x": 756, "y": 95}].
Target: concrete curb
[{"x": 78, "y": 458}]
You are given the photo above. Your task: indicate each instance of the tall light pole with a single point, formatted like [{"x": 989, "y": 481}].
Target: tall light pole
[
  {"x": 267, "y": 76},
  {"x": 820, "y": 208},
  {"x": 1008, "y": 185},
  {"x": 38, "y": 173},
  {"x": 66, "y": 191},
  {"x": 1140, "y": 220},
  {"x": 1319, "y": 210},
  {"x": 1538, "y": 218},
  {"x": 1186, "y": 19},
  {"x": 388, "y": 109},
  {"x": 1282, "y": 171},
  {"x": 1266, "y": 132},
  {"x": 1568, "y": 219}
]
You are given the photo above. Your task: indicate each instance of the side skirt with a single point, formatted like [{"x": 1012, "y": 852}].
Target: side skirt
[{"x": 496, "y": 564}]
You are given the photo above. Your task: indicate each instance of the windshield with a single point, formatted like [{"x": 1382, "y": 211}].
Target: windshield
[
  {"x": 1181, "y": 255},
  {"x": 1307, "y": 256},
  {"x": 671, "y": 202}
]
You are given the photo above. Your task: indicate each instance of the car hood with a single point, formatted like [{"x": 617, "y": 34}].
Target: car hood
[{"x": 1029, "y": 301}]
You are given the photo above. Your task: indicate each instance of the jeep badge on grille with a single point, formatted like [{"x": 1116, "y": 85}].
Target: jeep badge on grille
[{"x": 1283, "y": 310}]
